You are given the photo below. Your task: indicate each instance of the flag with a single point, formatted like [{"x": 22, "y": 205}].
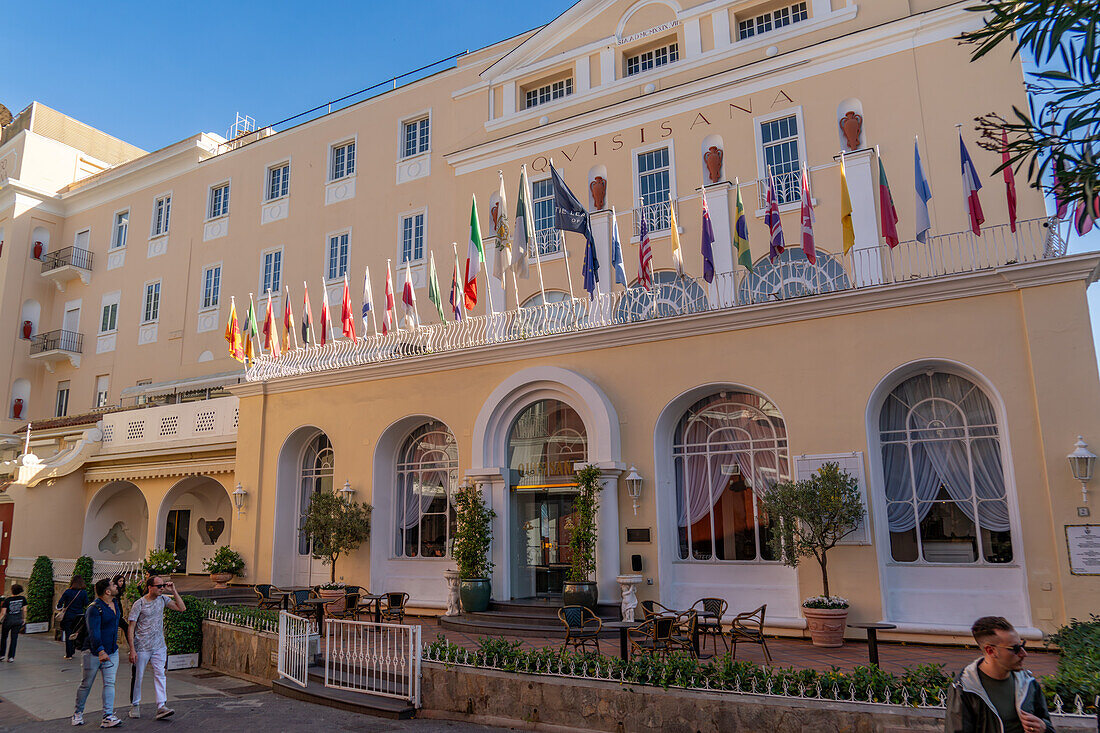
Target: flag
[
  {"x": 924, "y": 195},
  {"x": 591, "y": 269},
  {"x": 888, "y": 215},
  {"x": 475, "y": 255},
  {"x": 326, "y": 325},
  {"x": 1083, "y": 218},
  {"x": 674, "y": 240},
  {"x": 307, "y": 318},
  {"x": 367, "y": 298},
  {"x": 524, "y": 238},
  {"x": 741, "y": 234},
  {"x": 271, "y": 330},
  {"x": 456, "y": 292},
  {"x": 503, "y": 254},
  {"x": 808, "y": 247},
  {"x": 1061, "y": 204},
  {"x": 645, "y": 254},
  {"x": 251, "y": 330},
  {"x": 347, "y": 316},
  {"x": 408, "y": 299},
  {"x": 617, "y": 251},
  {"x": 847, "y": 232},
  {"x": 233, "y": 333},
  {"x": 708, "y": 242},
  {"x": 1010, "y": 182},
  {"x": 433, "y": 287},
  {"x": 775, "y": 224},
  {"x": 288, "y": 322},
  {"x": 571, "y": 216},
  {"x": 388, "y": 315},
  {"x": 971, "y": 185}
]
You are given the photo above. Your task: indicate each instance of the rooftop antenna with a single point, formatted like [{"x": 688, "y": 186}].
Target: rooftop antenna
[{"x": 241, "y": 126}]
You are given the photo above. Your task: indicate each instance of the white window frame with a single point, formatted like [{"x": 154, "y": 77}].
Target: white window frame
[
  {"x": 761, "y": 170},
  {"x": 210, "y": 213},
  {"x": 569, "y": 86},
  {"x": 263, "y": 270},
  {"x": 87, "y": 247},
  {"x": 329, "y": 278},
  {"x": 756, "y": 20},
  {"x": 401, "y": 218},
  {"x": 284, "y": 185},
  {"x": 668, "y": 48},
  {"x": 125, "y": 228},
  {"x": 343, "y": 143},
  {"x": 100, "y": 397},
  {"x": 145, "y": 301},
  {"x": 402, "y": 469},
  {"x": 61, "y": 398},
  {"x": 414, "y": 119},
  {"x": 204, "y": 305},
  {"x": 155, "y": 230},
  {"x": 110, "y": 300},
  {"x": 551, "y": 254},
  {"x": 649, "y": 148}
]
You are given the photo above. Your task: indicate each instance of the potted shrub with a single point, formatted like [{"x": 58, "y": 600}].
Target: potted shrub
[
  {"x": 470, "y": 547},
  {"x": 813, "y": 516},
  {"x": 85, "y": 567},
  {"x": 335, "y": 592},
  {"x": 40, "y": 596},
  {"x": 336, "y": 527},
  {"x": 223, "y": 566},
  {"x": 160, "y": 562},
  {"x": 580, "y": 589}
]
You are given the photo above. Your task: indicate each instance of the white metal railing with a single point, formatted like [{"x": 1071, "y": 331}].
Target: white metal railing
[
  {"x": 788, "y": 189},
  {"x": 215, "y": 418},
  {"x": 382, "y": 659},
  {"x": 294, "y": 633},
  {"x": 20, "y": 567},
  {"x": 658, "y": 217},
  {"x": 548, "y": 241},
  {"x": 790, "y": 278}
]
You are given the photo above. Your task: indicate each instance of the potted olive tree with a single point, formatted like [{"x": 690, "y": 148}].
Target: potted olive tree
[
  {"x": 223, "y": 566},
  {"x": 580, "y": 588},
  {"x": 813, "y": 516},
  {"x": 470, "y": 547},
  {"x": 336, "y": 527}
]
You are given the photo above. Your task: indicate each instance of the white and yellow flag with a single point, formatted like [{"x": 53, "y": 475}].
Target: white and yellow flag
[{"x": 502, "y": 256}]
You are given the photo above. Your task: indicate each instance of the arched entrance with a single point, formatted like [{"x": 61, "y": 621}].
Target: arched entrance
[
  {"x": 194, "y": 519},
  {"x": 306, "y": 464},
  {"x": 116, "y": 523}
]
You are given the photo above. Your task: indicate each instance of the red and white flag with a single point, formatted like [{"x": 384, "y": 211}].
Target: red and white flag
[
  {"x": 808, "y": 247},
  {"x": 408, "y": 300},
  {"x": 288, "y": 323},
  {"x": 388, "y": 314},
  {"x": 1010, "y": 181},
  {"x": 326, "y": 324},
  {"x": 971, "y": 185},
  {"x": 347, "y": 315},
  {"x": 645, "y": 255}
]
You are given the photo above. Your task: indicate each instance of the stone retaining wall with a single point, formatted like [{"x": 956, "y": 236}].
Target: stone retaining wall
[{"x": 240, "y": 652}]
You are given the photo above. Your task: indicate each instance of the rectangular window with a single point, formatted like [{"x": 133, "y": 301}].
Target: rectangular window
[
  {"x": 109, "y": 320},
  {"x": 162, "y": 210},
  {"x": 417, "y": 137},
  {"x": 412, "y": 238},
  {"x": 102, "y": 389},
  {"x": 542, "y": 201},
  {"x": 651, "y": 59},
  {"x": 779, "y": 139},
  {"x": 548, "y": 92},
  {"x": 122, "y": 223},
  {"x": 61, "y": 406},
  {"x": 774, "y": 20},
  {"x": 151, "y": 311},
  {"x": 278, "y": 181},
  {"x": 343, "y": 161},
  {"x": 211, "y": 286},
  {"x": 337, "y": 255},
  {"x": 273, "y": 272},
  {"x": 654, "y": 186},
  {"x": 219, "y": 201},
  {"x": 81, "y": 239}
]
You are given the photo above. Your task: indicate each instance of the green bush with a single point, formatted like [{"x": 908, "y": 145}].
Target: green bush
[
  {"x": 1079, "y": 666},
  {"x": 160, "y": 562},
  {"x": 473, "y": 533},
  {"x": 85, "y": 567},
  {"x": 225, "y": 560},
  {"x": 40, "y": 591},
  {"x": 183, "y": 629},
  {"x": 585, "y": 534}
]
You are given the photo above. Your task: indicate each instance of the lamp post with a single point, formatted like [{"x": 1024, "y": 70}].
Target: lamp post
[
  {"x": 1081, "y": 461},
  {"x": 239, "y": 495},
  {"x": 346, "y": 492},
  {"x": 634, "y": 487}
]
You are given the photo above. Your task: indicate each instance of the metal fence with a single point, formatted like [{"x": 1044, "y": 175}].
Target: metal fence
[
  {"x": 294, "y": 633},
  {"x": 75, "y": 256},
  {"x": 382, "y": 659},
  {"x": 59, "y": 340},
  {"x": 20, "y": 567}
]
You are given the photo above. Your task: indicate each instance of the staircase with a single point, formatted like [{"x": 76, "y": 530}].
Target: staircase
[
  {"x": 355, "y": 702},
  {"x": 234, "y": 595},
  {"x": 535, "y": 617}
]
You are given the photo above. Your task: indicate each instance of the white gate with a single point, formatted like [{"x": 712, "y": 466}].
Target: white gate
[
  {"x": 294, "y": 633},
  {"x": 382, "y": 659}
]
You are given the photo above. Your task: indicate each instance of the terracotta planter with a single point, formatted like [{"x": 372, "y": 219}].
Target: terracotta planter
[
  {"x": 221, "y": 580},
  {"x": 851, "y": 125},
  {"x": 713, "y": 160},
  {"x": 37, "y": 250},
  {"x": 826, "y": 625},
  {"x": 27, "y": 328},
  {"x": 17, "y": 408},
  {"x": 598, "y": 187},
  {"x": 341, "y": 599}
]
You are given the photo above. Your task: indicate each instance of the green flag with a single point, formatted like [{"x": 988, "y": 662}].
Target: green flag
[
  {"x": 433, "y": 287},
  {"x": 741, "y": 235},
  {"x": 250, "y": 330}
]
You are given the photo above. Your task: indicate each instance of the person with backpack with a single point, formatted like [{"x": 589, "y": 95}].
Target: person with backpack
[
  {"x": 100, "y": 652},
  {"x": 72, "y": 604},
  {"x": 11, "y": 621}
]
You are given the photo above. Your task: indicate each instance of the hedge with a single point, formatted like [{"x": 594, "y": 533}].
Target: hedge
[{"x": 40, "y": 591}]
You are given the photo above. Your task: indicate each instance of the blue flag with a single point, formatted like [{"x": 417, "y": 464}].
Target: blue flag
[
  {"x": 591, "y": 269},
  {"x": 924, "y": 195},
  {"x": 571, "y": 216},
  {"x": 617, "y": 251},
  {"x": 708, "y": 242}
]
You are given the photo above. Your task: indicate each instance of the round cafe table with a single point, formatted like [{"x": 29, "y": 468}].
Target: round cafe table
[
  {"x": 318, "y": 607},
  {"x": 872, "y": 638}
]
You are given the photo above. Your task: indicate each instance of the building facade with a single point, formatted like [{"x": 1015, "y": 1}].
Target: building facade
[{"x": 938, "y": 373}]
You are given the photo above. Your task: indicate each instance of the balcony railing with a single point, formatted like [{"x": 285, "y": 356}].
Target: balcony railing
[
  {"x": 789, "y": 278},
  {"x": 70, "y": 256},
  {"x": 658, "y": 217},
  {"x": 214, "y": 419},
  {"x": 59, "y": 340},
  {"x": 788, "y": 189},
  {"x": 548, "y": 241}
]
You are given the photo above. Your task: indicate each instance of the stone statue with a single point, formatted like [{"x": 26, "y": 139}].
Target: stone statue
[
  {"x": 851, "y": 125},
  {"x": 452, "y": 592},
  {"x": 598, "y": 187},
  {"x": 628, "y": 584},
  {"x": 713, "y": 160}
]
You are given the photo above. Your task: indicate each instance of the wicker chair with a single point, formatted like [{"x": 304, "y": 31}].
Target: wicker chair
[
  {"x": 393, "y": 607},
  {"x": 351, "y": 606},
  {"x": 711, "y": 611},
  {"x": 653, "y": 636},
  {"x": 264, "y": 597},
  {"x": 581, "y": 627},
  {"x": 652, "y": 609},
  {"x": 682, "y": 637},
  {"x": 297, "y": 597},
  {"x": 748, "y": 628}
]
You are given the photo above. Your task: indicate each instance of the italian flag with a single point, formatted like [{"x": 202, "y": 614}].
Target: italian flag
[{"x": 475, "y": 256}]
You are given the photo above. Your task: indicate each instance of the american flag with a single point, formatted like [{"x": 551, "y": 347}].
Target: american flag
[{"x": 645, "y": 255}]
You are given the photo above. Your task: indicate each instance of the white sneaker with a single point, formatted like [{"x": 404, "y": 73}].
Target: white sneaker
[
  {"x": 164, "y": 711},
  {"x": 78, "y": 719},
  {"x": 135, "y": 711},
  {"x": 111, "y": 721}
]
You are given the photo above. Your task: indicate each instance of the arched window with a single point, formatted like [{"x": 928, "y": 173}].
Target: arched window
[
  {"x": 941, "y": 462},
  {"x": 315, "y": 477},
  {"x": 427, "y": 475},
  {"x": 727, "y": 449},
  {"x": 552, "y": 296},
  {"x": 791, "y": 276},
  {"x": 671, "y": 296}
]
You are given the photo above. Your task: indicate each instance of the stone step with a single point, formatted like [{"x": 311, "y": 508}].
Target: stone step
[
  {"x": 341, "y": 675},
  {"x": 496, "y": 624},
  {"x": 356, "y": 702},
  {"x": 606, "y": 611}
]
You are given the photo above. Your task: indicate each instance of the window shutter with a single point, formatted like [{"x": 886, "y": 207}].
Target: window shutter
[{"x": 853, "y": 464}]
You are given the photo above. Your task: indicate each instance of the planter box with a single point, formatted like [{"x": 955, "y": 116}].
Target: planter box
[
  {"x": 183, "y": 661},
  {"x": 38, "y": 627}
]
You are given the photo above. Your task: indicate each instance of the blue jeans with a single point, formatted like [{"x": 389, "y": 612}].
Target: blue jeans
[{"x": 92, "y": 667}]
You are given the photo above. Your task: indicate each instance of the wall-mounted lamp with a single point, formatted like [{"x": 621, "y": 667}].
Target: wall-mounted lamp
[
  {"x": 634, "y": 487},
  {"x": 239, "y": 495},
  {"x": 346, "y": 492},
  {"x": 1081, "y": 461}
]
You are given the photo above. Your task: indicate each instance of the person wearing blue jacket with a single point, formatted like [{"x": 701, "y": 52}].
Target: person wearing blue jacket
[
  {"x": 73, "y": 603},
  {"x": 100, "y": 652}
]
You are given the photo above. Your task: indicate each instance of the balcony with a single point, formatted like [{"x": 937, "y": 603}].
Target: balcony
[
  {"x": 56, "y": 346},
  {"x": 66, "y": 265},
  {"x": 657, "y": 216},
  {"x": 202, "y": 422}
]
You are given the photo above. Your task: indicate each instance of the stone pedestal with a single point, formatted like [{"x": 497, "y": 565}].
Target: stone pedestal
[
  {"x": 628, "y": 585},
  {"x": 862, "y": 180},
  {"x": 451, "y": 576}
]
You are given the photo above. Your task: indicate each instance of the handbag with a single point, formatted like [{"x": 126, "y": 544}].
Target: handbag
[{"x": 59, "y": 614}]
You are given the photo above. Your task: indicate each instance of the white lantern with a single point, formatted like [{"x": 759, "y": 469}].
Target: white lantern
[
  {"x": 1081, "y": 461},
  {"x": 347, "y": 492},
  {"x": 239, "y": 495},
  {"x": 634, "y": 487}
]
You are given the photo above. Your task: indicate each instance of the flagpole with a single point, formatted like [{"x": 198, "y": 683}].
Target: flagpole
[
  {"x": 328, "y": 309},
  {"x": 535, "y": 243},
  {"x": 305, "y": 299},
  {"x": 293, "y": 329},
  {"x": 565, "y": 251},
  {"x": 416, "y": 308},
  {"x": 275, "y": 336},
  {"x": 735, "y": 275},
  {"x": 461, "y": 300},
  {"x": 252, "y": 303}
]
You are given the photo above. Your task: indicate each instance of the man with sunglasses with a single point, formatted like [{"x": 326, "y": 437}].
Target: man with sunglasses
[
  {"x": 147, "y": 645},
  {"x": 995, "y": 694}
]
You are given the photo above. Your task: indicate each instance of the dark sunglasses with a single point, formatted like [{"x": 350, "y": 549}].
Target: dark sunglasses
[
  {"x": 1016, "y": 649},
  {"x": 157, "y": 585}
]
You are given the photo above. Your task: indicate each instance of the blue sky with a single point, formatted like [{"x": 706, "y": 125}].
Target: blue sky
[{"x": 155, "y": 73}]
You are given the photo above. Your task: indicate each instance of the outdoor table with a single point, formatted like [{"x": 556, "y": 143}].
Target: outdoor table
[
  {"x": 318, "y": 605},
  {"x": 623, "y": 627},
  {"x": 872, "y": 637},
  {"x": 368, "y": 599},
  {"x": 283, "y": 596}
]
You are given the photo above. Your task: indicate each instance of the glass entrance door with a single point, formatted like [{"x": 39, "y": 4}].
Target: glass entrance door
[
  {"x": 175, "y": 536},
  {"x": 546, "y": 522}
]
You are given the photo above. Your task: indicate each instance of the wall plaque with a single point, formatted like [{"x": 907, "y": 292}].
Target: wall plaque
[{"x": 1083, "y": 541}]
